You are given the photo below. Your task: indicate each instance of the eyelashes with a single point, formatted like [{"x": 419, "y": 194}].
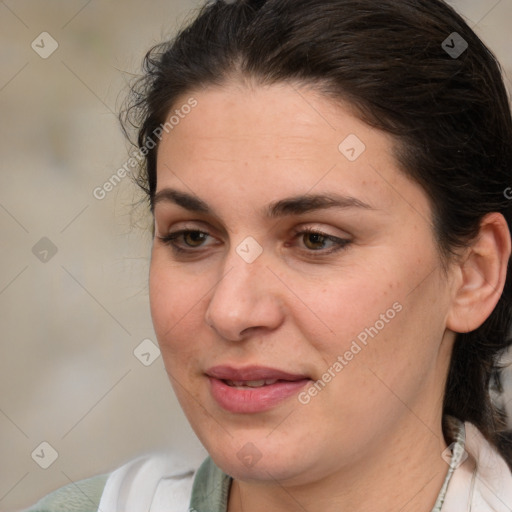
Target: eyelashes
[{"x": 191, "y": 241}]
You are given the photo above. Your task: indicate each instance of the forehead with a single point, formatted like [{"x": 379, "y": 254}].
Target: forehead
[
  {"x": 278, "y": 120},
  {"x": 277, "y": 140}
]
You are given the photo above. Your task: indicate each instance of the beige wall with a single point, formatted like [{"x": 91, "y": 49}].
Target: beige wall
[{"x": 68, "y": 374}]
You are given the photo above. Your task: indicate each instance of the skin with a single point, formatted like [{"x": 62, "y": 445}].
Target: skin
[{"x": 372, "y": 438}]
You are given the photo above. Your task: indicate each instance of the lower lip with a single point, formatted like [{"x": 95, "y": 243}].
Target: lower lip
[{"x": 249, "y": 400}]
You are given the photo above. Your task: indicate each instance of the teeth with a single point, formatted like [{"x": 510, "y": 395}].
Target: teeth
[{"x": 250, "y": 383}]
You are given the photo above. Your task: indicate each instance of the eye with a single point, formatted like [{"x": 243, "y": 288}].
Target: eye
[
  {"x": 316, "y": 241},
  {"x": 192, "y": 238}
]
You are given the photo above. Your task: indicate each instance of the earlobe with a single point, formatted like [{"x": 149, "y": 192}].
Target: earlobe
[{"x": 482, "y": 275}]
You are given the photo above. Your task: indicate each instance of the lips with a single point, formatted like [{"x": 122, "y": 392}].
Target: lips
[
  {"x": 252, "y": 389},
  {"x": 251, "y": 373}
]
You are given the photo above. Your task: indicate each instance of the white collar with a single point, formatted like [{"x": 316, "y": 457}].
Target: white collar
[{"x": 483, "y": 482}]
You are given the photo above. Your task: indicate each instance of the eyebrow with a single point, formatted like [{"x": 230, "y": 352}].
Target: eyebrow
[{"x": 295, "y": 205}]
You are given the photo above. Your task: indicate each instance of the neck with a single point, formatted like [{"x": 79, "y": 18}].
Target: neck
[{"x": 405, "y": 473}]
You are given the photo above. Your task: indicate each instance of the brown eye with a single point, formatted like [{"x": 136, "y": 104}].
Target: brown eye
[
  {"x": 314, "y": 241},
  {"x": 320, "y": 243},
  {"x": 185, "y": 240},
  {"x": 194, "y": 238}
]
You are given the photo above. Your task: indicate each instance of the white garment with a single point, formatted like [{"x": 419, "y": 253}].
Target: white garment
[
  {"x": 483, "y": 483},
  {"x": 161, "y": 483},
  {"x": 149, "y": 484}
]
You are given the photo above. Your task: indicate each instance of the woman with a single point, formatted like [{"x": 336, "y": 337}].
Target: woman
[{"x": 328, "y": 279}]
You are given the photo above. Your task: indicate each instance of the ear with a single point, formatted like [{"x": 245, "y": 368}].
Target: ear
[{"x": 481, "y": 275}]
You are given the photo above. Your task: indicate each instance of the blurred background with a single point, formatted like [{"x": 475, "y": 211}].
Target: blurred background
[{"x": 82, "y": 386}]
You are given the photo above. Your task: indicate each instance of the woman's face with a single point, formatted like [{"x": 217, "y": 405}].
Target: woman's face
[{"x": 356, "y": 304}]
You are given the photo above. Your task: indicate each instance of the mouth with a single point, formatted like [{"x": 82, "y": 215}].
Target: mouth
[
  {"x": 253, "y": 389},
  {"x": 250, "y": 383},
  {"x": 254, "y": 376}
]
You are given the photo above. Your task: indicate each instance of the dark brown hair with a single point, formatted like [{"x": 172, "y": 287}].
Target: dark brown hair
[{"x": 449, "y": 115}]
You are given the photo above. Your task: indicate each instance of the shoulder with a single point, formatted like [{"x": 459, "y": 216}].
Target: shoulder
[
  {"x": 137, "y": 483},
  {"x": 132, "y": 486},
  {"x": 492, "y": 485},
  {"x": 482, "y": 479},
  {"x": 81, "y": 496}
]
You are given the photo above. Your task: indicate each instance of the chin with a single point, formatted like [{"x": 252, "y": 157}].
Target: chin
[
  {"x": 261, "y": 460},
  {"x": 266, "y": 468}
]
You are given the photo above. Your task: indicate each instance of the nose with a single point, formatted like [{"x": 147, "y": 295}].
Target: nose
[{"x": 247, "y": 298}]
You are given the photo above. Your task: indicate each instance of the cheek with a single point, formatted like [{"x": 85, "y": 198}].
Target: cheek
[
  {"x": 383, "y": 318},
  {"x": 174, "y": 299},
  {"x": 348, "y": 308}
]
